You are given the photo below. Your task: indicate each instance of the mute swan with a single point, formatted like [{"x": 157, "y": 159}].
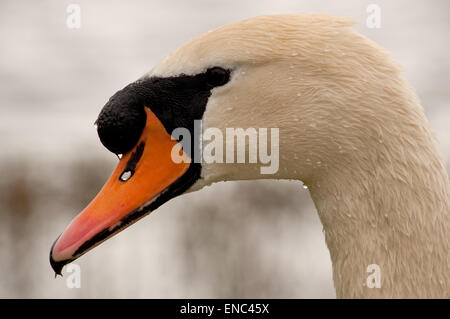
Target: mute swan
[{"x": 350, "y": 127}]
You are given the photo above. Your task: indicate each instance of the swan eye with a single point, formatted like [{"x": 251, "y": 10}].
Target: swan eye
[
  {"x": 217, "y": 76},
  {"x": 120, "y": 124}
]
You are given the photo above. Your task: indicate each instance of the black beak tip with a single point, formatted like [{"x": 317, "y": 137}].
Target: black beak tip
[{"x": 57, "y": 265}]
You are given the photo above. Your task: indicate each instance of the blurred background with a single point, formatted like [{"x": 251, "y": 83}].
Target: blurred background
[{"x": 231, "y": 240}]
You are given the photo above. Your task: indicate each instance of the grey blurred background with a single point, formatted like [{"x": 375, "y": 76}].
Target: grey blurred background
[{"x": 246, "y": 239}]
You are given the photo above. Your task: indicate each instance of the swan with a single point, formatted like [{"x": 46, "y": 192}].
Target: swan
[{"x": 351, "y": 129}]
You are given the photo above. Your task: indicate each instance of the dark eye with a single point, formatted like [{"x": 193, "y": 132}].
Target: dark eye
[{"x": 217, "y": 76}]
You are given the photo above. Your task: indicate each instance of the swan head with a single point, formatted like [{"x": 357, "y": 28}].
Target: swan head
[{"x": 300, "y": 74}]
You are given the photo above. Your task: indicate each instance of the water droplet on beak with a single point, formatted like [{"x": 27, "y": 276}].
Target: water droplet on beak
[{"x": 126, "y": 176}]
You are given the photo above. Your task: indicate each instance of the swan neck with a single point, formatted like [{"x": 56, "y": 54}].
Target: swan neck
[{"x": 391, "y": 214}]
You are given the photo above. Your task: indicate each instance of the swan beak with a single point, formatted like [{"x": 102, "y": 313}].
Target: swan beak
[{"x": 138, "y": 185}]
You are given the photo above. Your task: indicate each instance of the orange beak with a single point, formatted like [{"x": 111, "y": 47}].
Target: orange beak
[{"x": 145, "y": 178}]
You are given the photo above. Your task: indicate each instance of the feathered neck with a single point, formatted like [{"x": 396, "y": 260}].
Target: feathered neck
[{"x": 394, "y": 215}]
